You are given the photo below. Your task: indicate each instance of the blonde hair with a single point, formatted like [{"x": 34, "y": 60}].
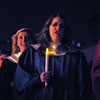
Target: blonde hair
[{"x": 15, "y": 48}]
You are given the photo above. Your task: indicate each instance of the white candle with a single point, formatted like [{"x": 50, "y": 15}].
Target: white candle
[{"x": 46, "y": 62}]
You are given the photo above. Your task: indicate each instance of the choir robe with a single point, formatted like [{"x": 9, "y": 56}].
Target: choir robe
[
  {"x": 96, "y": 73},
  {"x": 68, "y": 80},
  {"x": 7, "y": 72}
]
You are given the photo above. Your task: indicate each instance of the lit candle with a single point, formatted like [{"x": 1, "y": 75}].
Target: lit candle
[{"x": 46, "y": 62}]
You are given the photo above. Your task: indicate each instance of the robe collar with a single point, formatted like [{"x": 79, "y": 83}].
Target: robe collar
[{"x": 14, "y": 58}]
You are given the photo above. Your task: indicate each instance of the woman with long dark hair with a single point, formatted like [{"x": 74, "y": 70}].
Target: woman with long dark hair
[
  {"x": 64, "y": 77},
  {"x": 44, "y": 36}
]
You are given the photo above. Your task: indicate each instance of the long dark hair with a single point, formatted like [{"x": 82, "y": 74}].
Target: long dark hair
[{"x": 44, "y": 37}]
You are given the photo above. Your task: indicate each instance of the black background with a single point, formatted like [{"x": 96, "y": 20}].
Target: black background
[{"x": 80, "y": 14}]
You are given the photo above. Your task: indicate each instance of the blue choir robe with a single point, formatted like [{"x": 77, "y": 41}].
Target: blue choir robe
[
  {"x": 68, "y": 81},
  {"x": 7, "y": 72}
]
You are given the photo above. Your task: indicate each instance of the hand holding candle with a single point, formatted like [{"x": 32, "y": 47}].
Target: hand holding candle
[{"x": 47, "y": 72}]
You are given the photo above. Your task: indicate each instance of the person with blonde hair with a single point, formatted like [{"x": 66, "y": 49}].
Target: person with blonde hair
[
  {"x": 20, "y": 41},
  {"x": 29, "y": 39}
]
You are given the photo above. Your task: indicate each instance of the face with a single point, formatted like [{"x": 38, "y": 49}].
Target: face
[
  {"x": 2, "y": 56},
  {"x": 56, "y": 29},
  {"x": 23, "y": 40}
]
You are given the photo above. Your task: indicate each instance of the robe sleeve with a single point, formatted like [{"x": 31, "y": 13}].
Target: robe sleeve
[
  {"x": 7, "y": 72},
  {"x": 26, "y": 76},
  {"x": 83, "y": 78}
]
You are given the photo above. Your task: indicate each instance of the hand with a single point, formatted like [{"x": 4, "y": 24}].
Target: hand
[{"x": 45, "y": 76}]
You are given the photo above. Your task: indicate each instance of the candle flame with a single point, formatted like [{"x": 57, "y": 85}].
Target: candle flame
[
  {"x": 50, "y": 52},
  {"x": 47, "y": 51}
]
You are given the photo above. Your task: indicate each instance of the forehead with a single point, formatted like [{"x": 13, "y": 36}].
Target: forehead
[
  {"x": 57, "y": 20},
  {"x": 22, "y": 34}
]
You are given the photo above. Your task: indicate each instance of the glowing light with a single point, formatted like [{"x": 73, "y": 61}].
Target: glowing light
[
  {"x": 46, "y": 62},
  {"x": 19, "y": 54},
  {"x": 78, "y": 45}
]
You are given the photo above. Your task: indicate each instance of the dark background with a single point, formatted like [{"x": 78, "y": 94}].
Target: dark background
[{"x": 83, "y": 17}]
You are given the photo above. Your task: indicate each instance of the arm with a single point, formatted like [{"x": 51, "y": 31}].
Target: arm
[{"x": 27, "y": 76}]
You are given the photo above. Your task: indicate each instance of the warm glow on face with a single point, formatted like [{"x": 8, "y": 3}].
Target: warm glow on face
[
  {"x": 23, "y": 40},
  {"x": 56, "y": 29}
]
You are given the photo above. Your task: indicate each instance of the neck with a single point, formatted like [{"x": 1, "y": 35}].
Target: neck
[
  {"x": 55, "y": 43},
  {"x": 21, "y": 50}
]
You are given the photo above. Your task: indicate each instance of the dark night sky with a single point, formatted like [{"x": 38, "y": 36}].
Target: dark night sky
[{"x": 34, "y": 13}]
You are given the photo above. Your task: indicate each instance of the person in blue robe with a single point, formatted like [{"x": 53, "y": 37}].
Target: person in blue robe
[
  {"x": 65, "y": 77},
  {"x": 20, "y": 41}
]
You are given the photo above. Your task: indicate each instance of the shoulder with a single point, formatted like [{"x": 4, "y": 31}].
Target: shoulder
[
  {"x": 13, "y": 58},
  {"x": 32, "y": 48},
  {"x": 76, "y": 53},
  {"x": 8, "y": 64},
  {"x": 28, "y": 55},
  {"x": 35, "y": 46},
  {"x": 78, "y": 58}
]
